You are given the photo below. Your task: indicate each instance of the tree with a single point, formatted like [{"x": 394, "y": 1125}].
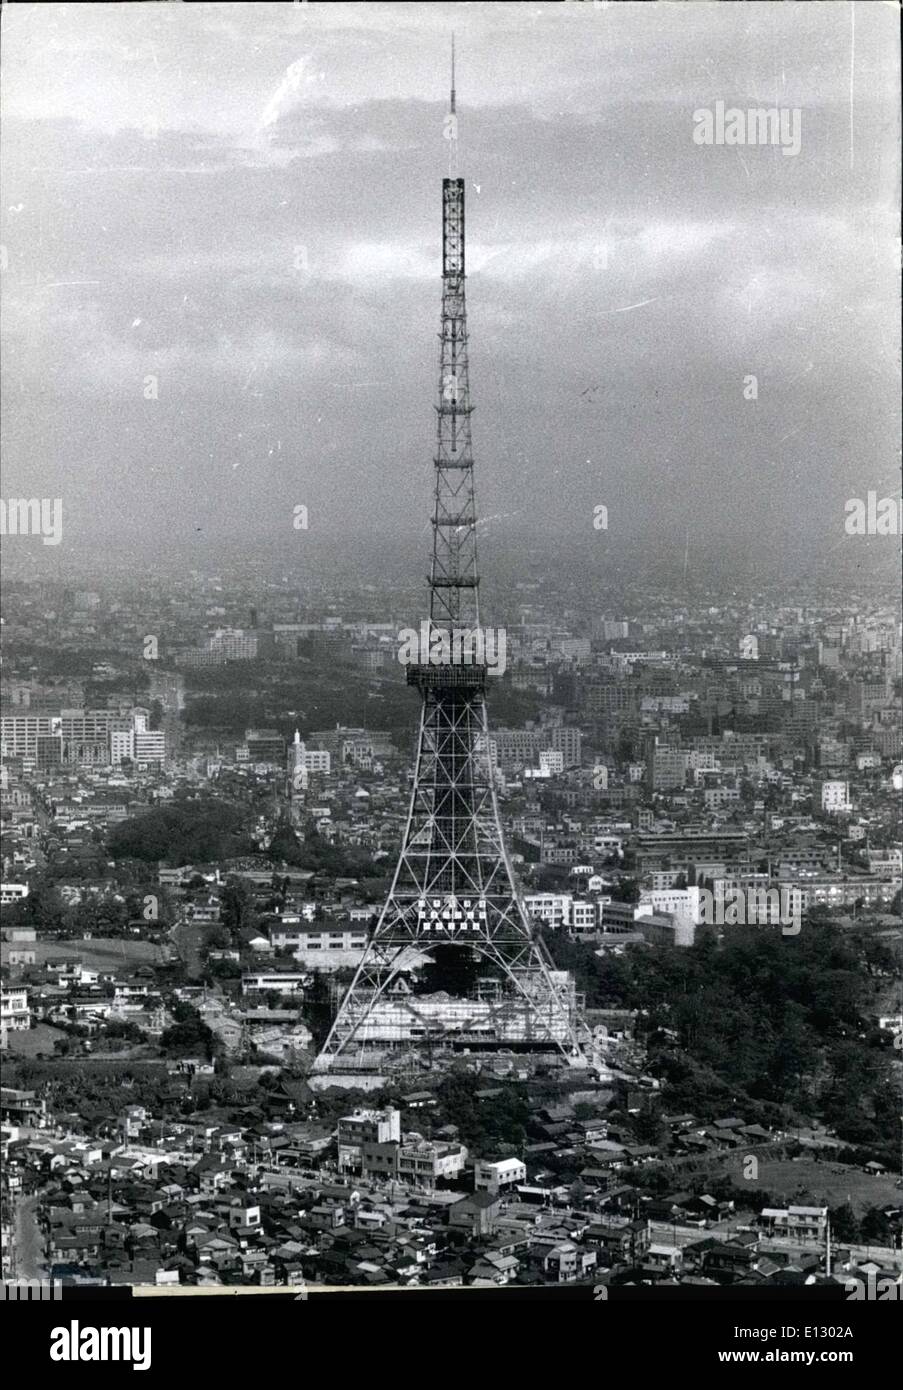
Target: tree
[
  {"x": 188, "y": 831},
  {"x": 285, "y": 847},
  {"x": 844, "y": 1225},
  {"x": 189, "y": 1035},
  {"x": 625, "y": 890},
  {"x": 875, "y": 1228},
  {"x": 649, "y": 1125},
  {"x": 237, "y": 909},
  {"x": 318, "y": 1010}
]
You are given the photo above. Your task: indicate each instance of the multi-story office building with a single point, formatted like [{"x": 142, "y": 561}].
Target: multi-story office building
[
  {"x": 303, "y": 938},
  {"x": 567, "y": 741},
  {"x": 15, "y": 1015},
  {"x": 230, "y": 644},
  {"x": 670, "y": 849},
  {"x": 517, "y": 748},
  {"x": 20, "y": 733},
  {"x": 365, "y": 1127},
  {"x": 150, "y": 747},
  {"x": 682, "y": 903},
  {"x": 716, "y": 797},
  {"x": 424, "y": 1162},
  {"x": 551, "y": 908},
  {"x": 122, "y": 746},
  {"x": 264, "y": 746},
  {"x": 834, "y": 796},
  {"x": 666, "y": 768}
]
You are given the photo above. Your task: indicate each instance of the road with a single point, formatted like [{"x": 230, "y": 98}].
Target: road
[{"x": 29, "y": 1241}]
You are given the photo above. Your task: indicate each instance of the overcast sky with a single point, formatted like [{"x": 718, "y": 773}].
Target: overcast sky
[{"x": 243, "y": 201}]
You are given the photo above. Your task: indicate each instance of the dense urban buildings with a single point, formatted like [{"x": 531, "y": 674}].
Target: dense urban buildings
[
  {"x": 532, "y": 922},
  {"x": 193, "y": 917}
]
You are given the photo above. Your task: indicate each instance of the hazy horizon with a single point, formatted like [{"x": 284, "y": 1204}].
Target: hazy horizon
[{"x": 243, "y": 202}]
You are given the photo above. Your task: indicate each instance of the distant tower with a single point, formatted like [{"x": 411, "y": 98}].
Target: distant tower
[
  {"x": 453, "y": 884},
  {"x": 298, "y": 778}
]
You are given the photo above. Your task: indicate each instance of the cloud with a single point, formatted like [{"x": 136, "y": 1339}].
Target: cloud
[{"x": 605, "y": 250}]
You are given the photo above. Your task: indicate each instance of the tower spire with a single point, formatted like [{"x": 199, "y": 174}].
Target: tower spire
[
  {"x": 451, "y": 125},
  {"x": 454, "y": 582}
]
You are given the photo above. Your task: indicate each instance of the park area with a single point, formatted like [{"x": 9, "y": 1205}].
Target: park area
[
  {"x": 805, "y": 1181},
  {"x": 96, "y": 953}
]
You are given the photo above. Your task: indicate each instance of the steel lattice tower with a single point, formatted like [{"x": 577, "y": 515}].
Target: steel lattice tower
[{"x": 453, "y": 884}]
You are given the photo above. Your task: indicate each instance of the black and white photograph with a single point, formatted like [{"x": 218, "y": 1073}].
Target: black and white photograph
[{"x": 452, "y": 755}]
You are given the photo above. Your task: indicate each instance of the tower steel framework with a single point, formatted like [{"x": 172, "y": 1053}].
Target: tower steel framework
[{"x": 453, "y": 884}]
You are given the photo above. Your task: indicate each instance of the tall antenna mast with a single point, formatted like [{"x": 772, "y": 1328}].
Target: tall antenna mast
[
  {"x": 454, "y": 584},
  {"x": 452, "y": 106},
  {"x": 452, "y": 120}
]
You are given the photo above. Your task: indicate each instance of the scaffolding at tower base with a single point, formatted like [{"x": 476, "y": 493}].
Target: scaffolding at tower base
[{"x": 452, "y": 1023}]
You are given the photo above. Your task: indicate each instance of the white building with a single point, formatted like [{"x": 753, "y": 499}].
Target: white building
[
  {"x": 150, "y": 747},
  {"x": 308, "y": 759},
  {"x": 13, "y": 893},
  {"x": 553, "y": 908},
  {"x": 122, "y": 746},
  {"x": 311, "y": 941},
  {"x": 499, "y": 1177},
  {"x": 15, "y": 1015},
  {"x": 583, "y": 918},
  {"x": 682, "y": 903},
  {"x": 834, "y": 797},
  {"x": 279, "y": 981}
]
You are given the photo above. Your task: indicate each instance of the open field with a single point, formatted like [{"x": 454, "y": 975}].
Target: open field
[
  {"x": 31, "y": 1042},
  {"x": 188, "y": 939},
  {"x": 826, "y": 1182},
  {"x": 100, "y": 953}
]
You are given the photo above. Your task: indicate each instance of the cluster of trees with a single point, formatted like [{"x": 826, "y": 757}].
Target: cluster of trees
[
  {"x": 95, "y": 1093},
  {"x": 45, "y": 910},
  {"x": 189, "y": 1035},
  {"x": 321, "y": 856},
  {"x": 769, "y": 1021},
  {"x": 496, "y": 1126},
  {"x": 185, "y": 832}
]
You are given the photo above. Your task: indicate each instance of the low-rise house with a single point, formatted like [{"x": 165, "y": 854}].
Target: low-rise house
[
  {"x": 493, "y": 1269},
  {"x": 565, "y": 1262},
  {"x": 476, "y": 1215},
  {"x": 795, "y": 1223}
]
